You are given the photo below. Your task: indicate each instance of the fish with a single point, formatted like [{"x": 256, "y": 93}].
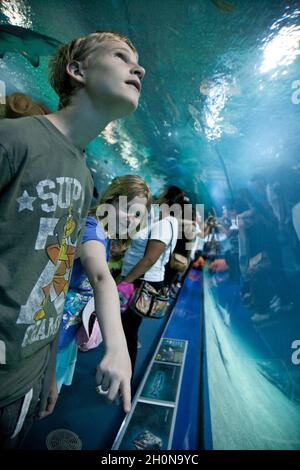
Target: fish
[
  {"x": 217, "y": 83},
  {"x": 173, "y": 106},
  {"x": 229, "y": 129},
  {"x": 26, "y": 42},
  {"x": 223, "y": 6},
  {"x": 194, "y": 112}
]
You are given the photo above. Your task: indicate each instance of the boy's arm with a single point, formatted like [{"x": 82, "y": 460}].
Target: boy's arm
[
  {"x": 6, "y": 172},
  {"x": 114, "y": 371},
  {"x": 49, "y": 394}
]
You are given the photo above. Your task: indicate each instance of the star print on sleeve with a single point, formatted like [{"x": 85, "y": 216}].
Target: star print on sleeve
[{"x": 25, "y": 201}]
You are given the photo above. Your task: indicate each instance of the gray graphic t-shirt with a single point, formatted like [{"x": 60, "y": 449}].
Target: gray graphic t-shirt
[{"x": 45, "y": 193}]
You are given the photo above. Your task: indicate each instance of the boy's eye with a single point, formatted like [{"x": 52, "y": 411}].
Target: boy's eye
[{"x": 121, "y": 56}]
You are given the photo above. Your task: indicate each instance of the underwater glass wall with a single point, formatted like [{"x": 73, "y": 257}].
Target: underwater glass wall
[{"x": 219, "y": 117}]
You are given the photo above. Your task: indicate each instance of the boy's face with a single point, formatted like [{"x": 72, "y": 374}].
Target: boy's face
[{"x": 113, "y": 77}]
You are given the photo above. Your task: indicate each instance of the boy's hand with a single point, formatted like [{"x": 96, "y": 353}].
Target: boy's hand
[
  {"x": 113, "y": 376},
  {"x": 47, "y": 403}
]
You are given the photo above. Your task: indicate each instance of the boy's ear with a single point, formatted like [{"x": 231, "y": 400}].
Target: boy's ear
[{"x": 75, "y": 70}]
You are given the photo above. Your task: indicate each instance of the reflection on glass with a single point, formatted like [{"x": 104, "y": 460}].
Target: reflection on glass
[{"x": 252, "y": 313}]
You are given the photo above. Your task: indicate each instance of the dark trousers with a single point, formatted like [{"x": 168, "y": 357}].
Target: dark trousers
[
  {"x": 17, "y": 418},
  {"x": 171, "y": 276},
  {"x": 131, "y": 323}
]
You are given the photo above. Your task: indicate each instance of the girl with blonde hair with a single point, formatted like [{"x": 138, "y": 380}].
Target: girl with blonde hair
[{"x": 105, "y": 221}]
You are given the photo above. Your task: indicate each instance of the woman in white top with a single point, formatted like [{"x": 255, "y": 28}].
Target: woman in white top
[{"x": 145, "y": 259}]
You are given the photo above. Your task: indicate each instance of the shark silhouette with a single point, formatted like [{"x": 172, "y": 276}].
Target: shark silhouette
[
  {"x": 26, "y": 42},
  {"x": 223, "y": 5}
]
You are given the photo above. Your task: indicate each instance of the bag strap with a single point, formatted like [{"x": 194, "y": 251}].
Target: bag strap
[
  {"x": 169, "y": 244},
  {"x": 146, "y": 246},
  {"x": 171, "y": 241},
  {"x": 149, "y": 235}
]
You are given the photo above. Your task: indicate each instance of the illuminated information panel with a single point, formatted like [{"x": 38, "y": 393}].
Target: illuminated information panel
[{"x": 151, "y": 422}]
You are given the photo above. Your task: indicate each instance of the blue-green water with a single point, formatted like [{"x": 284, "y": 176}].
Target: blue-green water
[
  {"x": 212, "y": 78},
  {"x": 254, "y": 394},
  {"x": 220, "y": 103}
]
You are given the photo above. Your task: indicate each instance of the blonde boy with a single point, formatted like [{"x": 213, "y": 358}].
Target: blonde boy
[{"x": 45, "y": 194}]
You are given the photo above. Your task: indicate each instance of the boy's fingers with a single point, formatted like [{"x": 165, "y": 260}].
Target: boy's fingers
[
  {"x": 99, "y": 376},
  {"x": 126, "y": 396},
  {"x": 51, "y": 404},
  {"x": 113, "y": 390},
  {"x": 47, "y": 408}
]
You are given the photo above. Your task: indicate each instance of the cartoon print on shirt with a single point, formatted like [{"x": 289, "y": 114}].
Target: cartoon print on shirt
[
  {"x": 62, "y": 256},
  {"x": 60, "y": 202},
  {"x": 52, "y": 285}
]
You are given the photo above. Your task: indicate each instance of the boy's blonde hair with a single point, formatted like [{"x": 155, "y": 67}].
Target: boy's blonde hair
[{"x": 79, "y": 49}]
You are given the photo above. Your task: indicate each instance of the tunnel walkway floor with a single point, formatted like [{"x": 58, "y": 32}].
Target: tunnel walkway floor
[{"x": 84, "y": 412}]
